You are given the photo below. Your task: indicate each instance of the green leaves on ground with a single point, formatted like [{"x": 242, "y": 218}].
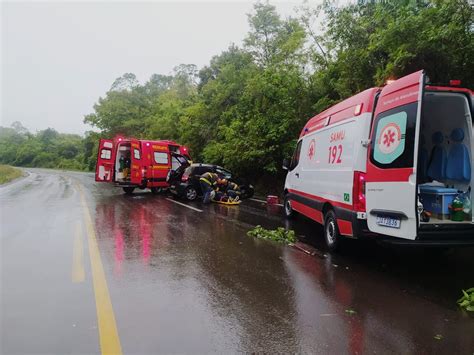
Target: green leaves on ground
[
  {"x": 8, "y": 173},
  {"x": 279, "y": 235},
  {"x": 467, "y": 300}
]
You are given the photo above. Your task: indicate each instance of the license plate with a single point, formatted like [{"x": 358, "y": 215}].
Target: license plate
[{"x": 388, "y": 221}]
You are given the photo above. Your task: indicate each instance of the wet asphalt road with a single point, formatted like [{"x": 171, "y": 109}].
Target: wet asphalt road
[{"x": 186, "y": 281}]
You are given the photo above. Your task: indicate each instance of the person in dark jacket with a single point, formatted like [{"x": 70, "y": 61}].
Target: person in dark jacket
[{"x": 230, "y": 189}]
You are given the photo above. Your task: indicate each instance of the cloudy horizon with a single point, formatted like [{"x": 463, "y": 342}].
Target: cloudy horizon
[{"x": 58, "y": 58}]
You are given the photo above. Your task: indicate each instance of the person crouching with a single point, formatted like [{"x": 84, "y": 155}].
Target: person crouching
[{"x": 208, "y": 182}]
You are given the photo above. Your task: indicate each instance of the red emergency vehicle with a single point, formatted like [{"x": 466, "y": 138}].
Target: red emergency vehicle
[
  {"x": 392, "y": 163},
  {"x": 136, "y": 163}
]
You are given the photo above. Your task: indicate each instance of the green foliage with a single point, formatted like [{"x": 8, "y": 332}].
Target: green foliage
[
  {"x": 246, "y": 108},
  {"x": 8, "y": 173},
  {"x": 46, "y": 149},
  {"x": 467, "y": 300},
  {"x": 279, "y": 235}
]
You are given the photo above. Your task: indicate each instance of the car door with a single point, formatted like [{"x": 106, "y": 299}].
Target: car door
[
  {"x": 391, "y": 189},
  {"x": 136, "y": 162},
  {"x": 104, "y": 169}
]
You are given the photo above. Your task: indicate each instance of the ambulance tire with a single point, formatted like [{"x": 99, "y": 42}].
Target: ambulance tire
[
  {"x": 128, "y": 190},
  {"x": 190, "y": 193},
  {"x": 331, "y": 231},
  {"x": 289, "y": 212}
]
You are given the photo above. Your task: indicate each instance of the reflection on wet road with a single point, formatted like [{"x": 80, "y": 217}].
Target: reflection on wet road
[{"x": 182, "y": 280}]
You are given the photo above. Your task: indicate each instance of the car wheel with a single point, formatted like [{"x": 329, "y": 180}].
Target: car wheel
[
  {"x": 289, "y": 212},
  {"x": 331, "y": 231},
  {"x": 190, "y": 193},
  {"x": 128, "y": 190}
]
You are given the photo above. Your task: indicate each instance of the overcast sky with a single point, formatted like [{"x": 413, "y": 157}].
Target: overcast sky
[{"x": 58, "y": 58}]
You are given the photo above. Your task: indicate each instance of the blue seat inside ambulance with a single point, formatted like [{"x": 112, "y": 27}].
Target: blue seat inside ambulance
[
  {"x": 459, "y": 163},
  {"x": 423, "y": 160},
  {"x": 437, "y": 165}
]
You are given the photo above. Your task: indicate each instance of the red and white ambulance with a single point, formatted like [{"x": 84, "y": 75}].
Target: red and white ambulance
[
  {"x": 388, "y": 163},
  {"x": 135, "y": 163}
]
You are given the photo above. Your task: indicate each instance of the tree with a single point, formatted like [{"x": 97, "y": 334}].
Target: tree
[
  {"x": 126, "y": 82},
  {"x": 272, "y": 40}
]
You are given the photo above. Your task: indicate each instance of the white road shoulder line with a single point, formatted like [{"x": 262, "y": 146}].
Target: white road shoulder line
[
  {"x": 185, "y": 205},
  {"x": 257, "y": 200}
]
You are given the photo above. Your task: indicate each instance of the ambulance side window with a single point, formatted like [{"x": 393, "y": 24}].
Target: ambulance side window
[
  {"x": 105, "y": 154},
  {"x": 161, "y": 158},
  {"x": 393, "y": 137},
  {"x": 136, "y": 153},
  {"x": 296, "y": 156}
]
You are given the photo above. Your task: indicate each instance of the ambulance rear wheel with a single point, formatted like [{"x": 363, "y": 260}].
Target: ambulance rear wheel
[
  {"x": 128, "y": 190},
  {"x": 289, "y": 212},
  {"x": 331, "y": 231}
]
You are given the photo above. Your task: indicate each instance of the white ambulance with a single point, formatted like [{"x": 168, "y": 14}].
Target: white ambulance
[{"x": 391, "y": 163}]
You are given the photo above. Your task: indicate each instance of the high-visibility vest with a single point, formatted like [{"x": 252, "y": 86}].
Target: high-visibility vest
[{"x": 209, "y": 178}]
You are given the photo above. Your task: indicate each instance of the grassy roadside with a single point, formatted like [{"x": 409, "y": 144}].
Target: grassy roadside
[{"x": 8, "y": 173}]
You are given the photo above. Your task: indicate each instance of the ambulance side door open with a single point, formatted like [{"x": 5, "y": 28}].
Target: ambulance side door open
[
  {"x": 136, "y": 162},
  {"x": 161, "y": 162},
  {"x": 104, "y": 168},
  {"x": 391, "y": 188}
]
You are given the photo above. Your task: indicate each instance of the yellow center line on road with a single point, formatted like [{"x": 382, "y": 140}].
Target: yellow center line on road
[
  {"x": 108, "y": 334},
  {"x": 78, "y": 274}
]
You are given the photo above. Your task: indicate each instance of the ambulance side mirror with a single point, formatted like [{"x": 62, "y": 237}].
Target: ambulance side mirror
[{"x": 286, "y": 164}]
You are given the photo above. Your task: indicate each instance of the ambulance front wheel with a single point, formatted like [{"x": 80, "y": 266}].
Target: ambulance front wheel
[
  {"x": 289, "y": 212},
  {"x": 331, "y": 231},
  {"x": 128, "y": 190}
]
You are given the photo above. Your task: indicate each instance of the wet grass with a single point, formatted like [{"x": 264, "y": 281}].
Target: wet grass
[{"x": 8, "y": 173}]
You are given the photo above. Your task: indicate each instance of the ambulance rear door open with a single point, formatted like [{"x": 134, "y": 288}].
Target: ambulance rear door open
[
  {"x": 136, "y": 162},
  {"x": 391, "y": 188},
  {"x": 104, "y": 168}
]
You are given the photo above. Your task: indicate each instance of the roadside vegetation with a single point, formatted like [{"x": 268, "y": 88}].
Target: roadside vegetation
[
  {"x": 46, "y": 149},
  {"x": 279, "y": 235},
  {"x": 467, "y": 300},
  {"x": 8, "y": 173},
  {"x": 245, "y": 109}
]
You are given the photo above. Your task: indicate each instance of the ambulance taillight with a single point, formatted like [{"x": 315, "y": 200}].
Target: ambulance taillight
[{"x": 359, "y": 191}]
